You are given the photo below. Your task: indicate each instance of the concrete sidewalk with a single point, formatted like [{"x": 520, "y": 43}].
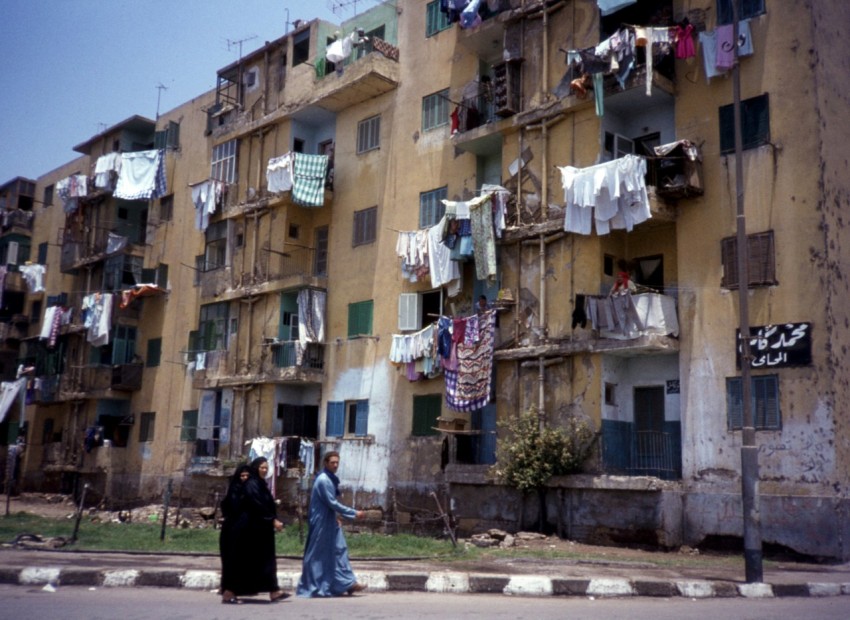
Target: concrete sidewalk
[{"x": 518, "y": 577}]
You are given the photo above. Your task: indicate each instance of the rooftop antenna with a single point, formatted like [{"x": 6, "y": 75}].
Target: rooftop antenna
[
  {"x": 231, "y": 43},
  {"x": 159, "y": 87},
  {"x": 337, "y": 6}
]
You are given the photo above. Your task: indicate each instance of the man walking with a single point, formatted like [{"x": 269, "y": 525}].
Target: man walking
[{"x": 327, "y": 569}]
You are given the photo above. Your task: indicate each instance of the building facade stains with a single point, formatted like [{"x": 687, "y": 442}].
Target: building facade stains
[{"x": 269, "y": 302}]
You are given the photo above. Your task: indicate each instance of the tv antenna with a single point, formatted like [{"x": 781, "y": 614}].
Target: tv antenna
[
  {"x": 159, "y": 87},
  {"x": 231, "y": 43},
  {"x": 337, "y": 6}
]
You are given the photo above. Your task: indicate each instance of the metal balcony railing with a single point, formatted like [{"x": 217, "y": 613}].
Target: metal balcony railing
[{"x": 641, "y": 453}]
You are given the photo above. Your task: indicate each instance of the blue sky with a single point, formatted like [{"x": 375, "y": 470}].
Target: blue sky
[{"x": 71, "y": 68}]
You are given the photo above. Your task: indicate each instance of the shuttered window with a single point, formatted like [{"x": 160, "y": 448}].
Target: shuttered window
[
  {"x": 755, "y": 124},
  {"x": 764, "y": 398},
  {"x": 335, "y": 423},
  {"x": 762, "y": 260},
  {"x": 435, "y": 110},
  {"x": 360, "y": 318},
  {"x": 365, "y": 222},
  {"x": 426, "y": 410},
  {"x": 431, "y": 207},
  {"x": 347, "y": 418},
  {"x": 368, "y": 134},
  {"x": 435, "y": 19}
]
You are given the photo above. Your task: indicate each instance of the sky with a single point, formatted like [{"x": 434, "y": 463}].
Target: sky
[{"x": 71, "y": 68}]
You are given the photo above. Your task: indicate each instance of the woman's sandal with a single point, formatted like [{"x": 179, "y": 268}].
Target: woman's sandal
[{"x": 231, "y": 601}]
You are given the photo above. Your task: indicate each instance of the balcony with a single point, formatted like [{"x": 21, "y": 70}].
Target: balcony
[
  {"x": 631, "y": 452},
  {"x": 92, "y": 246},
  {"x": 279, "y": 363},
  {"x": 273, "y": 271},
  {"x": 14, "y": 282},
  {"x": 89, "y": 382},
  {"x": 17, "y": 221}
]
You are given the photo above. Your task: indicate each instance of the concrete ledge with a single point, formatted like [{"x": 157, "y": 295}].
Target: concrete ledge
[
  {"x": 447, "y": 582},
  {"x": 696, "y": 589},
  {"x": 755, "y": 590},
  {"x": 200, "y": 580},
  {"x": 529, "y": 585},
  {"x": 610, "y": 587},
  {"x": 488, "y": 584},
  {"x": 791, "y": 589},
  {"x": 120, "y": 578},
  {"x": 825, "y": 589},
  {"x": 80, "y": 577},
  {"x": 410, "y": 582},
  {"x": 10, "y": 575},
  {"x": 161, "y": 578},
  {"x": 655, "y": 588},
  {"x": 375, "y": 579},
  {"x": 39, "y": 576},
  {"x": 570, "y": 587},
  {"x": 725, "y": 589}
]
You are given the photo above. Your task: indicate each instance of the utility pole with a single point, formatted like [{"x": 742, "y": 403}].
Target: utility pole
[{"x": 749, "y": 450}]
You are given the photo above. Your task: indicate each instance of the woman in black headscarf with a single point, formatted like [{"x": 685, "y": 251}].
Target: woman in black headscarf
[{"x": 248, "y": 563}]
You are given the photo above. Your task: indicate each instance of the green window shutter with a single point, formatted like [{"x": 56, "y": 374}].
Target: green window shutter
[
  {"x": 154, "y": 352},
  {"x": 42, "y": 253},
  {"x": 335, "y": 424},
  {"x": 360, "y": 319},
  {"x": 361, "y": 425},
  {"x": 189, "y": 427},
  {"x": 765, "y": 403},
  {"x": 426, "y": 410}
]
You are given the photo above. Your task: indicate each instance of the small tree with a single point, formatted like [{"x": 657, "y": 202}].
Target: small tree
[{"x": 529, "y": 456}]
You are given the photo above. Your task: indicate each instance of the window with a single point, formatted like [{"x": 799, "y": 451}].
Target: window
[
  {"x": 168, "y": 138},
  {"x": 212, "y": 327},
  {"x": 215, "y": 253},
  {"x": 431, "y": 207},
  {"x": 166, "y": 208},
  {"x": 418, "y": 309},
  {"x": 48, "y": 196},
  {"x": 746, "y": 9},
  {"x": 755, "y": 124},
  {"x": 610, "y": 393},
  {"x": 223, "y": 166},
  {"x": 146, "y": 426},
  {"x": 360, "y": 319},
  {"x": 762, "y": 263},
  {"x": 320, "y": 268},
  {"x": 426, "y": 410},
  {"x": 364, "y": 226},
  {"x": 764, "y": 402},
  {"x": 369, "y": 134},
  {"x": 154, "y": 352},
  {"x": 156, "y": 275},
  {"x": 294, "y": 231},
  {"x": 301, "y": 47},
  {"x": 35, "y": 312},
  {"x": 42, "y": 253},
  {"x": 122, "y": 271},
  {"x": 347, "y": 419},
  {"x": 435, "y": 110},
  {"x": 200, "y": 268},
  {"x": 124, "y": 345},
  {"x": 299, "y": 420},
  {"x": 435, "y": 20},
  {"x": 189, "y": 426}
]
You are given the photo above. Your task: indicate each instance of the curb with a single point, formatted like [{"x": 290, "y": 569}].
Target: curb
[{"x": 442, "y": 582}]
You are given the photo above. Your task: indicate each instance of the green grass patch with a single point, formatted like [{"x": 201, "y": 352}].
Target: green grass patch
[{"x": 94, "y": 535}]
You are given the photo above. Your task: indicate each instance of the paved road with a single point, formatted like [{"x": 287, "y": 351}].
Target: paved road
[{"x": 81, "y": 603}]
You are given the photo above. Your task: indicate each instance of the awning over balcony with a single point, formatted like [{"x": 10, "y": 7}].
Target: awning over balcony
[{"x": 140, "y": 290}]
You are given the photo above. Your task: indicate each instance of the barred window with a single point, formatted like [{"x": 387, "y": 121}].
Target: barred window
[
  {"x": 369, "y": 134},
  {"x": 435, "y": 110}
]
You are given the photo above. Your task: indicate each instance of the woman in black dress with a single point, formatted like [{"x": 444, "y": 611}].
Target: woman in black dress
[{"x": 248, "y": 563}]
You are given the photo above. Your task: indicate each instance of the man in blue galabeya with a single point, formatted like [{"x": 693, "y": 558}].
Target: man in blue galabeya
[{"x": 327, "y": 569}]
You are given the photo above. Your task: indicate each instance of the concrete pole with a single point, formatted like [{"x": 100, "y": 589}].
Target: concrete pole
[{"x": 749, "y": 450}]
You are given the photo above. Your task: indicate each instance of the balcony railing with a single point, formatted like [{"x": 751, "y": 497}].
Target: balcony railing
[
  {"x": 16, "y": 218},
  {"x": 641, "y": 453},
  {"x": 285, "y": 355}
]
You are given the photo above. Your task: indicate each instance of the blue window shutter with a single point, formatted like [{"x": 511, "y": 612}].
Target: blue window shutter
[
  {"x": 361, "y": 425},
  {"x": 335, "y": 426},
  {"x": 734, "y": 403}
]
